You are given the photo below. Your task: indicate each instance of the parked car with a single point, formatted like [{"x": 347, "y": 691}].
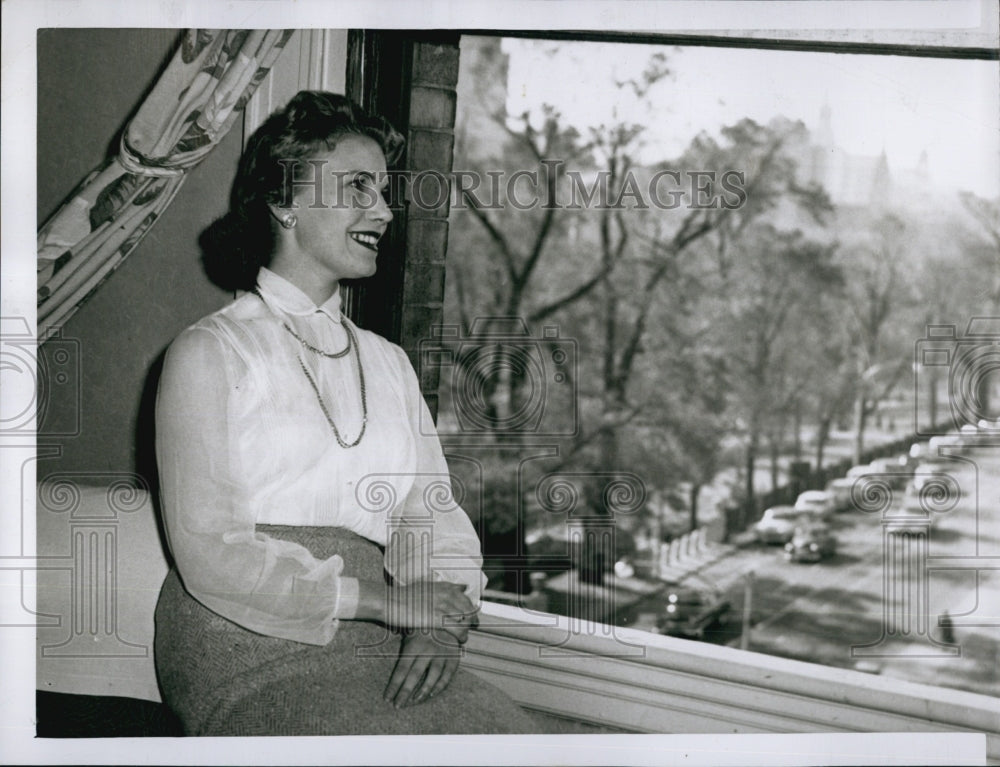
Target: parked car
[
  {"x": 931, "y": 469},
  {"x": 554, "y": 549},
  {"x": 816, "y": 503},
  {"x": 937, "y": 498},
  {"x": 840, "y": 489},
  {"x": 890, "y": 470},
  {"x": 811, "y": 543},
  {"x": 944, "y": 440},
  {"x": 777, "y": 525},
  {"x": 970, "y": 434},
  {"x": 857, "y": 472},
  {"x": 546, "y": 552},
  {"x": 919, "y": 451},
  {"x": 691, "y": 609},
  {"x": 902, "y": 463}
]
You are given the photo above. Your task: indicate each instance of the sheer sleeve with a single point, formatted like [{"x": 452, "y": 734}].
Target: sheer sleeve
[
  {"x": 431, "y": 534},
  {"x": 267, "y": 585}
]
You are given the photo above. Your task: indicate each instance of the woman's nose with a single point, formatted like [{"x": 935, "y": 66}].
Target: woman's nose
[{"x": 380, "y": 211}]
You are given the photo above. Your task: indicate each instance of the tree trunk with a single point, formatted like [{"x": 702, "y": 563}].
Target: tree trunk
[
  {"x": 822, "y": 434},
  {"x": 597, "y": 547},
  {"x": 597, "y": 551},
  {"x": 693, "y": 504},
  {"x": 774, "y": 446},
  {"x": 751, "y": 460},
  {"x": 592, "y": 566},
  {"x": 861, "y": 421},
  {"x": 797, "y": 429}
]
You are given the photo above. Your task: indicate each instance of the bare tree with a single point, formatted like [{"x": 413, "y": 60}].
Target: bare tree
[{"x": 876, "y": 290}]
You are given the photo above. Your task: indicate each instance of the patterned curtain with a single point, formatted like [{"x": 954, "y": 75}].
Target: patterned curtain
[{"x": 190, "y": 109}]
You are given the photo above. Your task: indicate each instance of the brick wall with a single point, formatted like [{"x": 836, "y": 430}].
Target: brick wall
[{"x": 431, "y": 143}]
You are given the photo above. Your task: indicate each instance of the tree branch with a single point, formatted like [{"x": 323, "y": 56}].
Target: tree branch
[
  {"x": 573, "y": 295},
  {"x": 495, "y": 235}
]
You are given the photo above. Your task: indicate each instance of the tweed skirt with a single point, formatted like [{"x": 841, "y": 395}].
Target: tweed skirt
[{"x": 222, "y": 679}]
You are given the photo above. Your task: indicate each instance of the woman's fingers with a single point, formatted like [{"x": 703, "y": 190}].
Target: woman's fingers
[
  {"x": 458, "y": 609},
  {"x": 425, "y": 668},
  {"x": 452, "y": 600},
  {"x": 434, "y": 671},
  {"x": 412, "y": 681},
  {"x": 459, "y": 633},
  {"x": 423, "y": 661},
  {"x": 444, "y": 659},
  {"x": 401, "y": 682},
  {"x": 444, "y": 679},
  {"x": 469, "y": 619},
  {"x": 459, "y": 625}
]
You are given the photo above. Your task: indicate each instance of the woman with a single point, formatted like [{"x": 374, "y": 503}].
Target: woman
[{"x": 290, "y": 453}]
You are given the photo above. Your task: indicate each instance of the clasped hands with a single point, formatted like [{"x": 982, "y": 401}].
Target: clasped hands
[{"x": 435, "y": 618}]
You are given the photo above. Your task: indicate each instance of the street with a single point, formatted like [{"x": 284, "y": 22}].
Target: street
[{"x": 863, "y": 609}]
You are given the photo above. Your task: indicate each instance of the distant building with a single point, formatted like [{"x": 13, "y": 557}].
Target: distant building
[{"x": 860, "y": 180}]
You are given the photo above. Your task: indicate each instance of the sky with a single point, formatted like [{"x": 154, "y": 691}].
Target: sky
[{"x": 904, "y": 105}]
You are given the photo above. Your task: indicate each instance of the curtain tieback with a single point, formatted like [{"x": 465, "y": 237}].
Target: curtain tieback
[{"x": 134, "y": 162}]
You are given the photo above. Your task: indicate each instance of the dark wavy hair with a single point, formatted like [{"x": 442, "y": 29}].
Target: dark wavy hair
[{"x": 235, "y": 246}]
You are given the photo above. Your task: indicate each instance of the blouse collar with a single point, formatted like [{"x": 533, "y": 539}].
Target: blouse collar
[{"x": 284, "y": 295}]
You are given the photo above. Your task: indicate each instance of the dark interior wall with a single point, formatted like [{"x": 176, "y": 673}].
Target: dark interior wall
[{"x": 89, "y": 83}]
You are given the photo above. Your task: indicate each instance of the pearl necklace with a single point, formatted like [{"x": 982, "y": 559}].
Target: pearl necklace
[{"x": 352, "y": 343}]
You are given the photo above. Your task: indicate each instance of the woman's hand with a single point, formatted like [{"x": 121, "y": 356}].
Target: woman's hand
[
  {"x": 436, "y": 606},
  {"x": 425, "y": 605},
  {"x": 427, "y": 662}
]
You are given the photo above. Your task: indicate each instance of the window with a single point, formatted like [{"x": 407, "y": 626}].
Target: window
[{"x": 684, "y": 288}]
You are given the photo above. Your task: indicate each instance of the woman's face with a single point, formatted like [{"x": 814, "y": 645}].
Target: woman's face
[{"x": 341, "y": 216}]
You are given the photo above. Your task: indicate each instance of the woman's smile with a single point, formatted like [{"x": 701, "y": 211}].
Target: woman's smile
[{"x": 367, "y": 239}]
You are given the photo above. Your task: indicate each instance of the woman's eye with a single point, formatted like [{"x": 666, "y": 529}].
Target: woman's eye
[{"x": 366, "y": 190}]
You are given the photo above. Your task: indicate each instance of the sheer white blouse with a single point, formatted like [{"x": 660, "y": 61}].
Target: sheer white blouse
[{"x": 241, "y": 440}]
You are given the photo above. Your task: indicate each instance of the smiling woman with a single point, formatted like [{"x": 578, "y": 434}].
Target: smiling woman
[
  {"x": 330, "y": 229},
  {"x": 306, "y": 182},
  {"x": 325, "y": 580}
]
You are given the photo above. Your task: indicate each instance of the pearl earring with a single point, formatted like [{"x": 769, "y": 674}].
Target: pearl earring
[{"x": 289, "y": 221}]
